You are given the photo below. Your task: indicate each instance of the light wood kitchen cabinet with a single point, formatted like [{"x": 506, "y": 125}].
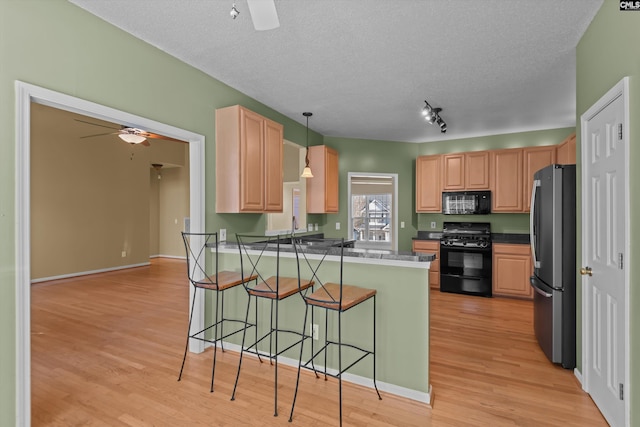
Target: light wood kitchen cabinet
[
  {"x": 476, "y": 170},
  {"x": 453, "y": 171},
  {"x": 512, "y": 269},
  {"x": 506, "y": 180},
  {"x": 428, "y": 184},
  {"x": 249, "y": 151},
  {"x": 566, "y": 151},
  {"x": 465, "y": 171},
  {"x": 430, "y": 247},
  {"x": 322, "y": 189},
  {"x": 534, "y": 159}
]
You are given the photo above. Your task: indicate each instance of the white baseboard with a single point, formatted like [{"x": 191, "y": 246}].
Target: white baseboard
[
  {"x": 167, "y": 256},
  {"x": 394, "y": 389},
  {"x": 86, "y": 273},
  {"x": 578, "y": 375}
]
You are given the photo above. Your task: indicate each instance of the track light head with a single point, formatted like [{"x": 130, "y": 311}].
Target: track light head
[
  {"x": 432, "y": 115},
  {"x": 234, "y": 12}
]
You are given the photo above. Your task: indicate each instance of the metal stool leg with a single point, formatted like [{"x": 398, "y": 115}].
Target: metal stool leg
[
  {"x": 295, "y": 393},
  {"x": 244, "y": 335},
  {"x": 193, "y": 303}
]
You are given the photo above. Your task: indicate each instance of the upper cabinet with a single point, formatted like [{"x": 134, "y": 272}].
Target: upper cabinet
[
  {"x": 566, "y": 151},
  {"x": 535, "y": 158},
  {"x": 476, "y": 170},
  {"x": 322, "y": 189},
  {"x": 506, "y": 180},
  {"x": 465, "y": 171},
  {"x": 428, "y": 185},
  {"x": 249, "y": 150},
  {"x": 453, "y": 171}
]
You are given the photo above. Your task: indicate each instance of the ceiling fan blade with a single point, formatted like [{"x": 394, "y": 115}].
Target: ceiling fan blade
[
  {"x": 263, "y": 14},
  {"x": 96, "y": 124},
  {"x": 98, "y": 134},
  {"x": 157, "y": 136}
]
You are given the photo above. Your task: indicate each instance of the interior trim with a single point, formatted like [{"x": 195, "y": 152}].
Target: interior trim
[{"x": 25, "y": 94}]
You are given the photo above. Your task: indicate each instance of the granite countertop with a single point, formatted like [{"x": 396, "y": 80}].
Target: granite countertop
[
  {"x": 513, "y": 238},
  {"x": 350, "y": 254}
]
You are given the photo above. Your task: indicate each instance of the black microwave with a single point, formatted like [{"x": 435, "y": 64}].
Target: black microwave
[{"x": 466, "y": 202}]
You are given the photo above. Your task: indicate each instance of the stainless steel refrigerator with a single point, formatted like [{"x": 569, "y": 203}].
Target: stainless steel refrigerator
[{"x": 553, "y": 248}]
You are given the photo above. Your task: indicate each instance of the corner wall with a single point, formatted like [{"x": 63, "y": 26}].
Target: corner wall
[{"x": 607, "y": 52}]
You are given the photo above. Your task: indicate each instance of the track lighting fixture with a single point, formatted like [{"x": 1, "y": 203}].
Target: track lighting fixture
[
  {"x": 431, "y": 115},
  {"x": 234, "y": 12},
  {"x": 306, "y": 173}
]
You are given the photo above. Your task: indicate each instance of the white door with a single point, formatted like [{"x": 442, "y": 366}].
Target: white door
[{"x": 604, "y": 250}]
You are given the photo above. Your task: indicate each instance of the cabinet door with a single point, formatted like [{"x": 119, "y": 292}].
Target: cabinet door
[
  {"x": 506, "y": 182},
  {"x": 453, "y": 171},
  {"x": 252, "y": 164},
  {"x": 273, "y": 154},
  {"x": 430, "y": 247},
  {"x": 566, "y": 151},
  {"x": 511, "y": 270},
  {"x": 428, "y": 188},
  {"x": 476, "y": 167},
  {"x": 534, "y": 159},
  {"x": 332, "y": 180}
]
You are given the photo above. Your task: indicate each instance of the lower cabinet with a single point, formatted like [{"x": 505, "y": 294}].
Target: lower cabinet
[
  {"x": 430, "y": 246},
  {"x": 512, "y": 269}
]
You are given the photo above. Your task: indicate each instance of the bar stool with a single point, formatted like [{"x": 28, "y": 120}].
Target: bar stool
[
  {"x": 260, "y": 256},
  {"x": 197, "y": 245},
  {"x": 332, "y": 297}
]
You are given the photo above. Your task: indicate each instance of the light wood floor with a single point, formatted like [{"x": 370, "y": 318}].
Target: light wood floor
[{"x": 106, "y": 351}]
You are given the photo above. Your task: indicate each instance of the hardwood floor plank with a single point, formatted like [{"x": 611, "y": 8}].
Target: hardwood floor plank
[{"x": 106, "y": 351}]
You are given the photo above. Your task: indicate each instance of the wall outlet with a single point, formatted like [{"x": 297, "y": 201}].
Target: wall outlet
[
  {"x": 401, "y": 224},
  {"x": 124, "y": 254},
  {"x": 309, "y": 227},
  {"x": 314, "y": 331},
  {"x": 315, "y": 226},
  {"x": 337, "y": 226},
  {"x": 223, "y": 235},
  {"x": 433, "y": 224}
]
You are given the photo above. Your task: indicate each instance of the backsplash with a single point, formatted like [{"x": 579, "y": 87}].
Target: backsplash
[{"x": 500, "y": 222}]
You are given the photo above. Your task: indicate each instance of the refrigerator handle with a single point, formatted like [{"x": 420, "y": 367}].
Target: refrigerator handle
[
  {"x": 532, "y": 236},
  {"x": 538, "y": 290}
]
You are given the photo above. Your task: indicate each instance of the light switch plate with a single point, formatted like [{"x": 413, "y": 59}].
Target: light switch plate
[
  {"x": 401, "y": 224},
  {"x": 309, "y": 227},
  {"x": 337, "y": 226},
  {"x": 223, "y": 234},
  {"x": 315, "y": 226}
]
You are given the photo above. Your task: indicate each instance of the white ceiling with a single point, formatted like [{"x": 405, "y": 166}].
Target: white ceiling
[{"x": 365, "y": 67}]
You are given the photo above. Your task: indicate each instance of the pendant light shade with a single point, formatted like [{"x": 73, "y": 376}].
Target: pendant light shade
[{"x": 306, "y": 172}]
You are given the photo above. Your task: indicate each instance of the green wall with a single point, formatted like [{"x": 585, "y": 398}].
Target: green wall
[
  {"x": 58, "y": 46},
  {"x": 607, "y": 52}
]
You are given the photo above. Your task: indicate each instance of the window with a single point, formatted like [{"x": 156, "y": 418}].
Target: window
[{"x": 372, "y": 210}]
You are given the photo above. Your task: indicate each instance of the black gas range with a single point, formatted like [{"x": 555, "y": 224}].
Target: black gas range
[{"x": 465, "y": 258}]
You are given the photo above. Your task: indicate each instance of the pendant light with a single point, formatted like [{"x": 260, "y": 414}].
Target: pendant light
[{"x": 306, "y": 173}]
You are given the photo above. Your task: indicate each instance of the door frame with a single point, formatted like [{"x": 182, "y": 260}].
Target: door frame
[
  {"x": 621, "y": 89},
  {"x": 25, "y": 94}
]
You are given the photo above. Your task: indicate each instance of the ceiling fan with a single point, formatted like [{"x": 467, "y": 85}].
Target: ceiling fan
[
  {"x": 129, "y": 134},
  {"x": 263, "y": 14}
]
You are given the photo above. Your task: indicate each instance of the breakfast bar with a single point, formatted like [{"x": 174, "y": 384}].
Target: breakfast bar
[{"x": 402, "y": 310}]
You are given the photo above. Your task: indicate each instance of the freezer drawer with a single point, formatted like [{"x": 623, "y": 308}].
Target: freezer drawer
[{"x": 547, "y": 319}]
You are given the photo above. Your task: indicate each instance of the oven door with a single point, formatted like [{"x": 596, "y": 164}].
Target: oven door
[
  {"x": 465, "y": 270},
  {"x": 465, "y": 262}
]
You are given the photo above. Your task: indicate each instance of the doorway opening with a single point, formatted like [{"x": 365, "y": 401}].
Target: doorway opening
[{"x": 26, "y": 94}]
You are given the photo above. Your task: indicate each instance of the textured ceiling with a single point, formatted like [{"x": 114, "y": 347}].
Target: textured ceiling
[{"x": 365, "y": 67}]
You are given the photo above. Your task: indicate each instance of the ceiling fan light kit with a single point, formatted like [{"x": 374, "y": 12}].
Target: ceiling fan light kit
[
  {"x": 432, "y": 115},
  {"x": 132, "y": 136}
]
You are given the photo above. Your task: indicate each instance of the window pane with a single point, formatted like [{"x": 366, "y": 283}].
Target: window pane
[{"x": 371, "y": 217}]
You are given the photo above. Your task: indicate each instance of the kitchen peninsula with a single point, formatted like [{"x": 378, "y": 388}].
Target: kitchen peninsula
[{"x": 402, "y": 311}]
